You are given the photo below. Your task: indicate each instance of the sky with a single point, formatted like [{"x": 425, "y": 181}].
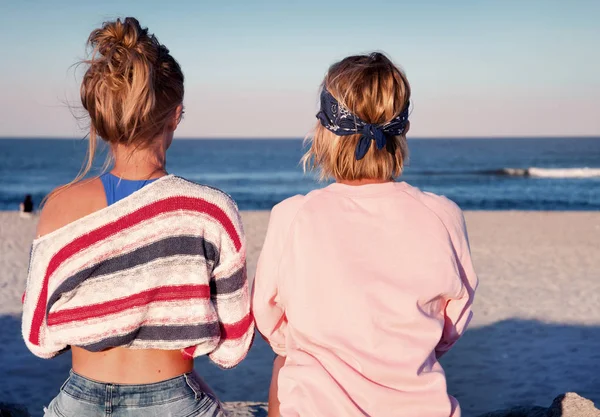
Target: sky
[{"x": 477, "y": 68}]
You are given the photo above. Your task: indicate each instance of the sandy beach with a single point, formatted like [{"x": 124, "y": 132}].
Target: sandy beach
[{"x": 535, "y": 333}]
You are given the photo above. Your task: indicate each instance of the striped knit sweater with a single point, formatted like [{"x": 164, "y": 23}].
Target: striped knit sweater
[{"x": 164, "y": 268}]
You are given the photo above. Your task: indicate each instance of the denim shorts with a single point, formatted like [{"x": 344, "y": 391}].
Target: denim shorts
[{"x": 176, "y": 397}]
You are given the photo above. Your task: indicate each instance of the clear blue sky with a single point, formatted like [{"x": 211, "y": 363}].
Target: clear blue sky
[{"x": 477, "y": 67}]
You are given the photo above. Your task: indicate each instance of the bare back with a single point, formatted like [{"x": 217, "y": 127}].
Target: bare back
[{"x": 115, "y": 365}]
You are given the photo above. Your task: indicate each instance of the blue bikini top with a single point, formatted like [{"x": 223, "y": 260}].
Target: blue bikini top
[{"x": 117, "y": 188}]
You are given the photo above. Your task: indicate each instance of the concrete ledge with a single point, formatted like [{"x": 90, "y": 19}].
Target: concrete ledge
[
  {"x": 565, "y": 405},
  {"x": 246, "y": 409}
]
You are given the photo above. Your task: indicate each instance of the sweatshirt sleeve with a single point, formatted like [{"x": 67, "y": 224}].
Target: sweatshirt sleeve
[
  {"x": 268, "y": 311},
  {"x": 230, "y": 296},
  {"x": 457, "y": 313}
]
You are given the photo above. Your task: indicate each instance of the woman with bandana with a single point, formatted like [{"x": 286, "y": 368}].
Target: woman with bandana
[{"x": 361, "y": 286}]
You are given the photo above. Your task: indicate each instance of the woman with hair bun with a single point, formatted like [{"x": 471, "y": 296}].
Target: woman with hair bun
[{"x": 136, "y": 271}]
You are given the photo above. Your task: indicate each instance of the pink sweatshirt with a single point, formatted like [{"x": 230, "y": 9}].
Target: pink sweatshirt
[{"x": 363, "y": 288}]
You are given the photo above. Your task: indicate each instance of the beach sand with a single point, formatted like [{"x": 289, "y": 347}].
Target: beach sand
[{"x": 535, "y": 333}]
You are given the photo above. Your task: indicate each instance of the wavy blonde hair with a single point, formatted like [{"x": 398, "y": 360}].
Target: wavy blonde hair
[
  {"x": 376, "y": 90},
  {"x": 131, "y": 89}
]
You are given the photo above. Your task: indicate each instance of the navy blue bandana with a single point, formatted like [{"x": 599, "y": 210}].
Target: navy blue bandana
[{"x": 342, "y": 122}]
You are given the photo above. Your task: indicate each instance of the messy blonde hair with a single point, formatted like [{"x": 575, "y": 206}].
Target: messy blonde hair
[
  {"x": 377, "y": 91},
  {"x": 131, "y": 89}
]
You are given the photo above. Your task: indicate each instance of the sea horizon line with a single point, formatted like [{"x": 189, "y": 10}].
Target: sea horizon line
[{"x": 292, "y": 138}]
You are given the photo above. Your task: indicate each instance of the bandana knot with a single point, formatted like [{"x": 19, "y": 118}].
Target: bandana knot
[{"x": 370, "y": 132}]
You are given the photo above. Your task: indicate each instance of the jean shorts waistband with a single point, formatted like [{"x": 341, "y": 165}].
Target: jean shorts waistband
[{"x": 141, "y": 395}]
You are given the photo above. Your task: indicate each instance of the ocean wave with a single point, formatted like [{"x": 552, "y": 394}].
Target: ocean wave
[
  {"x": 551, "y": 172},
  {"x": 533, "y": 172}
]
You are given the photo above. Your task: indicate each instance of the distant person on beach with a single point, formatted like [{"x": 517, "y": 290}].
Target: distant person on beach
[
  {"x": 26, "y": 207},
  {"x": 361, "y": 286},
  {"x": 137, "y": 272}
]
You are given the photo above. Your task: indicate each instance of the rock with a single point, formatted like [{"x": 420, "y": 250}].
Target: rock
[
  {"x": 12, "y": 410},
  {"x": 572, "y": 405},
  {"x": 565, "y": 405}
]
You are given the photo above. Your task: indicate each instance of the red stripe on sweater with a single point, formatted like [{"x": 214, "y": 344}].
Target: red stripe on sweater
[
  {"x": 130, "y": 220},
  {"x": 171, "y": 293},
  {"x": 188, "y": 352},
  {"x": 236, "y": 330},
  {"x": 228, "y": 332}
]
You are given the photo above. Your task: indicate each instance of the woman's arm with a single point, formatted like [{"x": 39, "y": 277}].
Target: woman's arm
[
  {"x": 230, "y": 295},
  {"x": 457, "y": 311},
  {"x": 273, "y": 399},
  {"x": 269, "y": 314}
]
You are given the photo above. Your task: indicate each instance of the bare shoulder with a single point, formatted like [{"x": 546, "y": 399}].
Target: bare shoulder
[{"x": 71, "y": 203}]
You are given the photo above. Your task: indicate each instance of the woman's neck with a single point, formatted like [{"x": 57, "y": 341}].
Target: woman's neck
[
  {"x": 134, "y": 164},
  {"x": 365, "y": 181}
]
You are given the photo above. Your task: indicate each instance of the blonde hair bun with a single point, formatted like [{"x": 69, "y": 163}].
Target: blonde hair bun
[
  {"x": 132, "y": 88},
  {"x": 118, "y": 34}
]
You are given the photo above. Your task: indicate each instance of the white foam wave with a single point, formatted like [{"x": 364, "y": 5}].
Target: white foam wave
[{"x": 553, "y": 172}]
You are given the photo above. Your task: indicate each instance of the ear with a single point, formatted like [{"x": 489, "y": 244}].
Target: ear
[{"x": 177, "y": 116}]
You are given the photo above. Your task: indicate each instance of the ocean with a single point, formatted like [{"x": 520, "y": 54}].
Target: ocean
[{"x": 478, "y": 174}]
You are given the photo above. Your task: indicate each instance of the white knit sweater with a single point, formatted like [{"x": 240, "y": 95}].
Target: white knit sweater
[{"x": 163, "y": 268}]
